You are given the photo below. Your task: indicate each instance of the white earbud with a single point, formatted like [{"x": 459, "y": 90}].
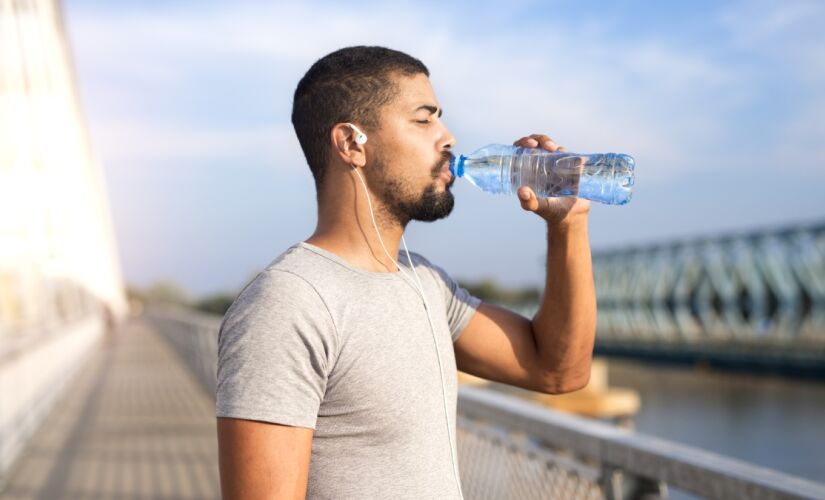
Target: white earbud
[{"x": 360, "y": 137}]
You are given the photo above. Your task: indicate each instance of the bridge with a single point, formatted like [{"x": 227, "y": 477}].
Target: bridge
[
  {"x": 88, "y": 410},
  {"x": 750, "y": 301},
  {"x": 137, "y": 421},
  {"x": 86, "y": 413}
]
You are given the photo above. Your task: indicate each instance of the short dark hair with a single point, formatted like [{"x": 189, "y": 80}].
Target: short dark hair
[{"x": 348, "y": 85}]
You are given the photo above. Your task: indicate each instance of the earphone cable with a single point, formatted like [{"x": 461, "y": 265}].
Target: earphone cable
[{"x": 420, "y": 288}]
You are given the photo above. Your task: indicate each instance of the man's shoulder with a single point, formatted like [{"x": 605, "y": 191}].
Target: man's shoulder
[
  {"x": 423, "y": 263},
  {"x": 310, "y": 262},
  {"x": 290, "y": 276},
  {"x": 418, "y": 260},
  {"x": 294, "y": 259}
]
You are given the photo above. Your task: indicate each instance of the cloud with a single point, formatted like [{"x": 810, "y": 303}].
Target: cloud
[
  {"x": 143, "y": 141},
  {"x": 785, "y": 43},
  {"x": 592, "y": 92},
  {"x": 210, "y": 86}
]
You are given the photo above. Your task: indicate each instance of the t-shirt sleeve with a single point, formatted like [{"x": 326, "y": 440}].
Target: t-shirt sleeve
[
  {"x": 276, "y": 346},
  {"x": 459, "y": 304}
]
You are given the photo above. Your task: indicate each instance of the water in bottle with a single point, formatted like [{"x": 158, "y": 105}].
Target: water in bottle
[{"x": 498, "y": 168}]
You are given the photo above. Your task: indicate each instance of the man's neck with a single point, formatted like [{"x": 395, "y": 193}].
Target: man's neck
[{"x": 354, "y": 239}]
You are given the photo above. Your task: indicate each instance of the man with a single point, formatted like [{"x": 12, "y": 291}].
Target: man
[{"x": 329, "y": 381}]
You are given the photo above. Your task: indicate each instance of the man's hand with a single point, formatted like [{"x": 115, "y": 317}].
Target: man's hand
[{"x": 553, "y": 210}]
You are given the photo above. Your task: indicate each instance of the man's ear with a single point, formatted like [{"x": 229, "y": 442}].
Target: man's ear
[{"x": 346, "y": 147}]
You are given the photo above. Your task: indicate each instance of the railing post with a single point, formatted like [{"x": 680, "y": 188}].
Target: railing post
[{"x": 618, "y": 485}]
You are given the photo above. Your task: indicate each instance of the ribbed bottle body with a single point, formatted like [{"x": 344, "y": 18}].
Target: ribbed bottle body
[{"x": 606, "y": 178}]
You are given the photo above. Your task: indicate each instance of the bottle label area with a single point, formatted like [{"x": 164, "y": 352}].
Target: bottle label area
[{"x": 547, "y": 175}]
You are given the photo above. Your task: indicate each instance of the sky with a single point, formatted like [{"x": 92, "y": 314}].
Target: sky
[{"x": 188, "y": 106}]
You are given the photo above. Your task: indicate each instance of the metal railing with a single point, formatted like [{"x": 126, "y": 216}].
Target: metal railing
[
  {"x": 513, "y": 449},
  {"x": 629, "y": 464}
]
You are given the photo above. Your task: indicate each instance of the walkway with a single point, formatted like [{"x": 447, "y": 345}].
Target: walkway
[{"x": 134, "y": 424}]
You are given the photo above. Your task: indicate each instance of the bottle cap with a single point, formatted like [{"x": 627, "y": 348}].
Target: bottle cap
[{"x": 457, "y": 166}]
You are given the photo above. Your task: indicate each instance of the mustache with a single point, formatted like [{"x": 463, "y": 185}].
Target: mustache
[{"x": 446, "y": 157}]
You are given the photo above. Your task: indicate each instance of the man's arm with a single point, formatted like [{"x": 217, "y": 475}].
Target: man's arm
[
  {"x": 552, "y": 353},
  {"x": 262, "y": 460}
]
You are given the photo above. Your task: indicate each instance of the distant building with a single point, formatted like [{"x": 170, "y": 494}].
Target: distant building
[{"x": 58, "y": 258}]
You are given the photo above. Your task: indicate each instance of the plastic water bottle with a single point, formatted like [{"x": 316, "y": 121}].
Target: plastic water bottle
[{"x": 498, "y": 168}]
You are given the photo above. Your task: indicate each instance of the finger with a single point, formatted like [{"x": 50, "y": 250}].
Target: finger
[
  {"x": 528, "y": 199},
  {"x": 541, "y": 138},
  {"x": 546, "y": 142},
  {"x": 526, "y": 142}
]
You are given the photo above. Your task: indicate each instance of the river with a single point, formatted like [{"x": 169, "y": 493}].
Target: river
[{"x": 765, "y": 420}]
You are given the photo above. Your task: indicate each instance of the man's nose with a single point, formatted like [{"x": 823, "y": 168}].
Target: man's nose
[{"x": 449, "y": 140}]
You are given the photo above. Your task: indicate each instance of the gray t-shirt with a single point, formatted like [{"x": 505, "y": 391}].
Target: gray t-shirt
[{"x": 315, "y": 342}]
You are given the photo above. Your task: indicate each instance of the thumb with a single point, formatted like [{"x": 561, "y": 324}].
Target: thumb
[{"x": 528, "y": 199}]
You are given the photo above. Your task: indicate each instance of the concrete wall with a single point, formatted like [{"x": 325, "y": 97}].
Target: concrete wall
[{"x": 33, "y": 374}]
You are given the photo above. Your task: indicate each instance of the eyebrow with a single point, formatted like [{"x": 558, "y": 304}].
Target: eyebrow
[{"x": 432, "y": 109}]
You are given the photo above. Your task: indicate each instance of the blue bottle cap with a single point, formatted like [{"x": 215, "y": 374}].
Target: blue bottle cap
[{"x": 457, "y": 166}]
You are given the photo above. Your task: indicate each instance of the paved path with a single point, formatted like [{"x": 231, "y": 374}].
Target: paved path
[{"x": 134, "y": 424}]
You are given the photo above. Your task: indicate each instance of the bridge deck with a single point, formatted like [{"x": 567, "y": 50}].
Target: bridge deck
[{"x": 133, "y": 424}]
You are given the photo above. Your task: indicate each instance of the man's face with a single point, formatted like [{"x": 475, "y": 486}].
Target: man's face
[{"x": 410, "y": 154}]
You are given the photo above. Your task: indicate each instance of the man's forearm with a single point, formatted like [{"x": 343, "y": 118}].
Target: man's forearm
[{"x": 565, "y": 325}]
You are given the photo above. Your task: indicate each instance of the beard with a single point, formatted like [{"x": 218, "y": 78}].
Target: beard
[{"x": 428, "y": 206}]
